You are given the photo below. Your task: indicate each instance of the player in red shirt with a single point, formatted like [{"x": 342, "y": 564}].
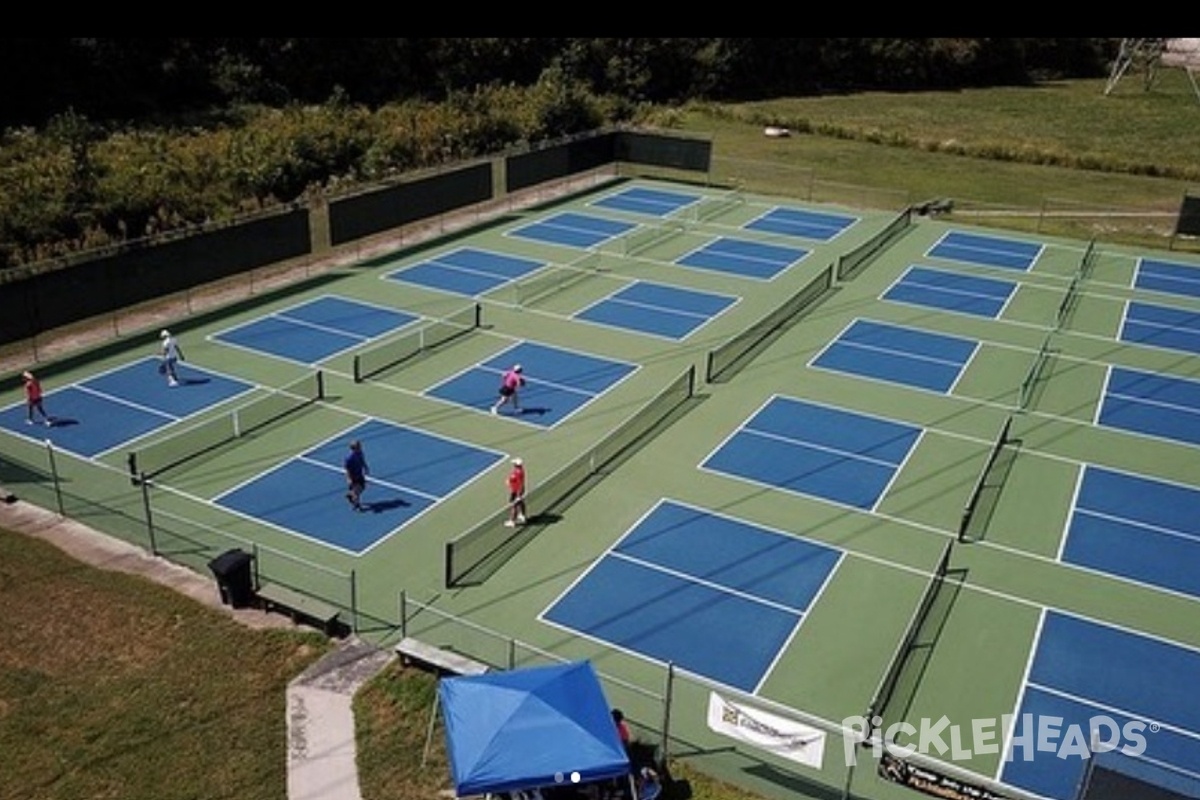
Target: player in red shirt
[
  {"x": 516, "y": 494},
  {"x": 33, "y": 398}
]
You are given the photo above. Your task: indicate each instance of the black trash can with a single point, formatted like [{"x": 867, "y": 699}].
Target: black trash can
[{"x": 234, "y": 571}]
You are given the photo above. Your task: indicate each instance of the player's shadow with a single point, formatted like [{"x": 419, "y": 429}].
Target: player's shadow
[
  {"x": 534, "y": 411},
  {"x": 545, "y": 518},
  {"x": 62, "y": 422},
  {"x": 194, "y": 381},
  {"x": 383, "y": 506}
]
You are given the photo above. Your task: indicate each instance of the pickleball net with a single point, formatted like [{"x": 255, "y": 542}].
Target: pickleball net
[
  {"x": 1088, "y": 262},
  {"x": 647, "y": 236},
  {"x": 1034, "y": 375},
  {"x": 207, "y": 435},
  {"x": 1067, "y": 305},
  {"x": 476, "y": 554},
  {"x": 903, "y": 673},
  {"x": 555, "y": 279},
  {"x": 987, "y": 486},
  {"x": 851, "y": 263},
  {"x": 1065, "y": 308},
  {"x": 723, "y": 361},
  {"x": 376, "y": 358},
  {"x": 712, "y": 207}
]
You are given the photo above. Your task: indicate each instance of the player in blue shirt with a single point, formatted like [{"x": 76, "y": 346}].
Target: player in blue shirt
[{"x": 356, "y": 475}]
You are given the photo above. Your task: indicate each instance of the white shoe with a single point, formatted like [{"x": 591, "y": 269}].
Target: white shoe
[
  {"x": 28, "y": 422},
  {"x": 508, "y": 523},
  {"x": 494, "y": 411},
  {"x": 48, "y": 423},
  {"x": 520, "y": 519},
  {"x": 172, "y": 382}
]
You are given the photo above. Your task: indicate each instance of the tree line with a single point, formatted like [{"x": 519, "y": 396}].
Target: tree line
[
  {"x": 107, "y": 140},
  {"x": 156, "y": 79}
]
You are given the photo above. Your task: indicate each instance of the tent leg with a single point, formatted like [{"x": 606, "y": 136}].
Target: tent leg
[{"x": 433, "y": 712}]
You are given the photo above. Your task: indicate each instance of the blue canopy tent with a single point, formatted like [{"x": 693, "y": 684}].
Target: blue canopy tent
[{"x": 529, "y": 728}]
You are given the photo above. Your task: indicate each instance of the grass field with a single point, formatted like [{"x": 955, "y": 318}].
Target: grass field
[{"x": 112, "y": 687}]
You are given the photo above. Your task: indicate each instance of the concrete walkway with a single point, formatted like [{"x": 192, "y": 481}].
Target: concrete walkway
[
  {"x": 321, "y": 747},
  {"x": 320, "y": 718}
]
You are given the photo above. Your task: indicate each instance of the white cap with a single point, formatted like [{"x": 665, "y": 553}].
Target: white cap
[
  {"x": 164, "y": 333},
  {"x": 518, "y": 368},
  {"x": 517, "y": 462}
]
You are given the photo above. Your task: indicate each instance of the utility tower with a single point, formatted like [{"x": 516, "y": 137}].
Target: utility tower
[{"x": 1147, "y": 56}]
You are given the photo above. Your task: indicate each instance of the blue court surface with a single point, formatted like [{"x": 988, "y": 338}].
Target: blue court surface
[
  {"x": 898, "y": 354},
  {"x": 657, "y": 309},
  {"x": 113, "y": 408},
  {"x": 466, "y": 271},
  {"x": 744, "y": 258},
  {"x": 1152, "y": 404},
  {"x": 952, "y": 291},
  {"x": 821, "y": 451},
  {"x": 1162, "y": 326},
  {"x": 410, "y": 472},
  {"x": 572, "y": 229},
  {"x": 713, "y": 595},
  {"x": 988, "y": 251},
  {"x": 818, "y": 225},
  {"x": 559, "y": 382},
  {"x": 314, "y": 331},
  {"x": 651, "y": 202},
  {"x": 1136, "y": 527},
  {"x": 1168, "y": 276},
  {"x": 1137, "y": 695}
]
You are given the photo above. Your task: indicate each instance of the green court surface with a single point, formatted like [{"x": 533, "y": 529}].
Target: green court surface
[{"x": 1040, "y": 367}]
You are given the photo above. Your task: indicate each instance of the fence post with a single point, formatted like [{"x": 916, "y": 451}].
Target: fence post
[
  {"x": 665, "y": 744},
  {"x": 403, "y": 614}
]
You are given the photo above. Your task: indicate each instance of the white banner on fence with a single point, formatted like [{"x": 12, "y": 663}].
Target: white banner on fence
[{"x": 769, "y": 731}]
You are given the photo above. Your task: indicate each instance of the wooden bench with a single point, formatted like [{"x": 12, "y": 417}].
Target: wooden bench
[
  {"x": 931, "y": 208},
  {"x": 414, "y": 651},
  {"x": 301, "y": 607}
]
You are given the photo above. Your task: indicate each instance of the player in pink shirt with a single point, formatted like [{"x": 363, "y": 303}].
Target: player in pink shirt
[{"x": 510, "y": 386}]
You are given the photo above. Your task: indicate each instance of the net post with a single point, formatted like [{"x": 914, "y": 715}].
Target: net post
[
  {"x": 147, "y": 510},
  {"x": 320, "y": 385},
  {"x": 478, "y": 315},
  {"x": 131, "y": 463},
  {"x": 358, "y": 377},
  {"x": 62, "y": 510}
]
